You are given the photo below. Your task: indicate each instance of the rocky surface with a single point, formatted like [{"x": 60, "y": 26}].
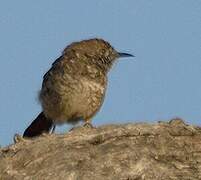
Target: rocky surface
[{"x": 161, "y": 151}]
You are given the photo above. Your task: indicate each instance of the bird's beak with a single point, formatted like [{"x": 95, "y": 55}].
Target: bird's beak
[{"x": 125, "y": 55}]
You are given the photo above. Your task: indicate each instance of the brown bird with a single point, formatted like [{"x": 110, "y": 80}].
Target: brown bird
[{"x": 74, "y": 87}]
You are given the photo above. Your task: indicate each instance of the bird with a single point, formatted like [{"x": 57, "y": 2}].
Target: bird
[{"x": 74, "y": 88}]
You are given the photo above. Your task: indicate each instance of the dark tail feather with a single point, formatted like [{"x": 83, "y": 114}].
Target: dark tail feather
[{"x": 40, "y": 125}]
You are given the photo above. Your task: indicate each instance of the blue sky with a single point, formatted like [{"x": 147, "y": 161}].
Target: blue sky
[{"x": 163, "y": 81}]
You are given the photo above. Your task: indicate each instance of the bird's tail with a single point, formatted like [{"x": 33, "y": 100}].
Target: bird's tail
[{"x": 40, "y": 125}]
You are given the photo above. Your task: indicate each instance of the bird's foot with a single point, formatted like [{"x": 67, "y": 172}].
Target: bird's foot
[
  {"x": 85, "y": 125},
  {"x": 73, "y": 128},
  {"x": 88, "y": 125},
  {"x": 46, "y": 134}
]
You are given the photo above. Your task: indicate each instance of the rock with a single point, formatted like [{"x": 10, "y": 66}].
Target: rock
[{"x": 162, "y": 151}]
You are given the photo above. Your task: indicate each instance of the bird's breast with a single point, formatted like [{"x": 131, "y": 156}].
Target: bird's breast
[
  {"x": 87, "y": 98},
  {"x": 66, "y": 97}
]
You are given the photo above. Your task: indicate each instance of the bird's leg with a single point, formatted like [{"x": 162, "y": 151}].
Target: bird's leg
[
  {"x": 53, "y": 129},
  {"x": 50, "y": 132}
]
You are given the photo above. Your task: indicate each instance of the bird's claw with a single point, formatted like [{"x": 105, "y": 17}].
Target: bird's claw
[{"x": 88, "y": 125}]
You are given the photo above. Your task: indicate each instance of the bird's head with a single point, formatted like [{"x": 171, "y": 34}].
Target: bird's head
[{"x": 96, "y": 52}]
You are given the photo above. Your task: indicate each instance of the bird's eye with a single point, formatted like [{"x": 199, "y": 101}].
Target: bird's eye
[{"x": 102, "y": 51}]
